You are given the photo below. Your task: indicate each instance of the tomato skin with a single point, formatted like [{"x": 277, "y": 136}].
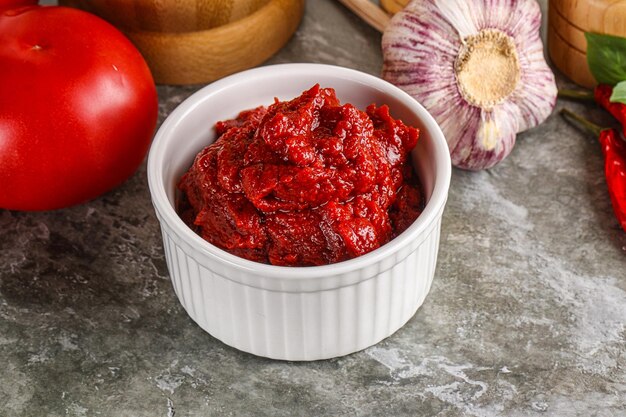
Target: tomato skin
[
  {"x": 78, "y": 107},
  {"x": 12, "y": 4}
]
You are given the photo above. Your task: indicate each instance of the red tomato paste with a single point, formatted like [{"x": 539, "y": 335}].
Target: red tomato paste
[{"x": 303, "y": 182}]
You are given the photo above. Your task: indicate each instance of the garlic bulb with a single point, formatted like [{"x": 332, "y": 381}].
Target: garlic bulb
[{"x": 478, "y": 68}]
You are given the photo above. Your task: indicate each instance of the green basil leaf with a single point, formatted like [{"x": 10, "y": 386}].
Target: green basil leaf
[
  {"x": 606, "y": 56},
  {"x": 619, "y": 93}
]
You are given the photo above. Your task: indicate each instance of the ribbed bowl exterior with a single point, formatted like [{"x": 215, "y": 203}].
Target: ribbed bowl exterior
[
  {"x": 295, "y": 313},
  {"x": 304, "y": 325}
]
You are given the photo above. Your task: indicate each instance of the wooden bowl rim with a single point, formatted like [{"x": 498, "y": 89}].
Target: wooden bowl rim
[{"x": 228, "y": 27}]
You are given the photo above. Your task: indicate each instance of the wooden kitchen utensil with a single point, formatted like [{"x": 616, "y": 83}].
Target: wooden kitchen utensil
[
  {"x": 197, "y": 41},
  {"x": 393, "y": 6},
  {"x": 369, "y": 12}
]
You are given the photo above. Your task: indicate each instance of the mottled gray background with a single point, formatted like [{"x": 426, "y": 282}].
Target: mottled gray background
[{"x": 525, "y": 317}]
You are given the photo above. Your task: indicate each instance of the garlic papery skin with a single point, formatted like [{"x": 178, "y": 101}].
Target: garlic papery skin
[{"x": 477, "y": 66}]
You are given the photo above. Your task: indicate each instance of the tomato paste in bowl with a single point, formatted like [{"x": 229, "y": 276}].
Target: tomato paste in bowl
[
  {"x": 304, "y": 182},
  {"x": 307, "y": 312}
]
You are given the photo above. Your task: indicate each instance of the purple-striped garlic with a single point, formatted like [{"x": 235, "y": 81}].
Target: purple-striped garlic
[{"x": 477, "y": 66}]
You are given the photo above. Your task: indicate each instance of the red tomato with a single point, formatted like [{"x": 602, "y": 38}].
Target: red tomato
[
  {"x": 78, "y": 107},
  {"x": 7, "y": 4}
]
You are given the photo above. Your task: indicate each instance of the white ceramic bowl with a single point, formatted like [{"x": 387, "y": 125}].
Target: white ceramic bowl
[{"x": 292, "y": 313}]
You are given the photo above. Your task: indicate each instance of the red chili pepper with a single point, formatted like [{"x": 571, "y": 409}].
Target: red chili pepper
[
  {"x": 614, "y": 149},
  {"x": 602, "y": 94}
]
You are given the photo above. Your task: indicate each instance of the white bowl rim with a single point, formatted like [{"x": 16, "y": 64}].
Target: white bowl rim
[{"x": 167, "y": 213}]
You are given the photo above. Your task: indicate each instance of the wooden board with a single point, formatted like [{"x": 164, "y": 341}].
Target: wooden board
[{"x": 202, "y": 56}]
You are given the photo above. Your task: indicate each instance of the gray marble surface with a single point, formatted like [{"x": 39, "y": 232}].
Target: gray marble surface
[{"x": 525, "y": 317}]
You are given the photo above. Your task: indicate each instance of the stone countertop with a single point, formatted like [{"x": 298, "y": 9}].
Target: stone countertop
[{"x": 525, "y": 317}]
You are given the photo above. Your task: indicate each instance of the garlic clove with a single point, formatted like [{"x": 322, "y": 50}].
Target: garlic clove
[
  {"x": 461, "y": 15},
  {"x": 537, "y": 92},
  {"x": 520, "y": 19},
  {"x": 487, "y": 139},
  {"x": 477, "y": 66}
]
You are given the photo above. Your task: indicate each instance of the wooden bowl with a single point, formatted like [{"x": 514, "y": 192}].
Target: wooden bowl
[
  {"x": 568, "y": 22},
  {"x": 169, "y": 15},
  {"x": 569, "y": 60},
  {"x": 198, "y": 41},
  {"x": 600, "y": 16}
]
